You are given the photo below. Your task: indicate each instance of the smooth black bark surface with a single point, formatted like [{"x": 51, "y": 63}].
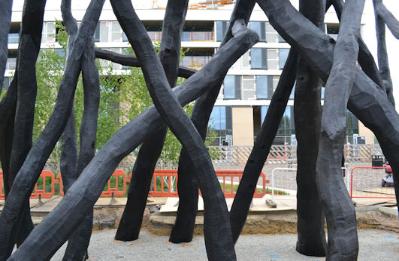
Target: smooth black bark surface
[
  {"x": 183, "y": 229},
  {"x": 264, "y": 140},
  {"x": 150, "y": 150},
  {"x": 61, "y": 222},
  {"x": 307, "y": 110},
  {"x": 30, "y": 170},
  {"x": 337, "y": 204}
]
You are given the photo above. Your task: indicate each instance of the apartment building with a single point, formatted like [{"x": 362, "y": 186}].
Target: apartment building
[{"x": 250, "y": 83}]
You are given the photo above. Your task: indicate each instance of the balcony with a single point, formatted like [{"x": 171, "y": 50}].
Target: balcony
[
  {"x": 197, "y": 36},
  {"x": 195, "y": 62}
]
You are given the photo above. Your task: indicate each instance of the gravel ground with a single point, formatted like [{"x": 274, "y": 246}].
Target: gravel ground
[{"x": 375, "y": 245}]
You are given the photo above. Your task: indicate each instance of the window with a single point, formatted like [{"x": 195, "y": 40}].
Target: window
[
  {"x": 97, "y": 33},
  {"x": 258, "y": 58},
  {"x": 259, "y": 28},
  {"x": 332, "y": 30},
  {"x": 155, "y": 36},
  {"x": 283, "y": 55},
  {"x": 274, "y": 82},
  {"x": 286, "y": 128},
  {"x": 13, "y": 38},
  {"x": 352, "y": 124},
  {"x": 272, "y": 59},
  {"x": 104, "y": 29},
  {"x": 232, "y": 87},
  {"x": 271, "y": 34},
  {"x": 220, "y": 126},
  {"x": 48, "y": 35},
  {"x": 263, "y": 112},
  {"x": 221, "y": 29},
  {"x": 262, "y": 85},
  {"x": 116, "y": 35}
]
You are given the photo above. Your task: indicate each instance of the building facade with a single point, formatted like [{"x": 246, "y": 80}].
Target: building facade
[{"x": 244, "y": 99}]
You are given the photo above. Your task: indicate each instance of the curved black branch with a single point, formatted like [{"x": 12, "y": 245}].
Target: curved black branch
[
  {"x": 388, "y": 18},
  {"x": 337, "y": 205},
  {"x": 22, "y": 121},
  {"x": 151, "y": 149},
  {"x": 71, "y": 26},
  {"x": 62, "y": 221},
  {"x": 183, "y": 229},
  {"x": 367, "y": 101},
  {"x": 366, "y": 59},
  {"x": 382, "y": 53},
  {"x": 218, "y": 239},
  {"x": 74, "y": 165},
  {"x": 130, "y": 60},
  {"x": 5, "y": 21},
  {"x": 30, "y": 170},
  {"x": 264, "y": 140}
]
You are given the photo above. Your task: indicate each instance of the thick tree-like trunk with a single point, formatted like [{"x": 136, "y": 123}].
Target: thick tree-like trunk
[
  {"x": 183, "y": 229},
  {"x": 307, "y": 111},
  {"x": 83, "y": 194},
  {"x": 264, "y": 140},
  {"x": 217, "y": 232},
  {"x": 340, "y": 212},
  {"x": 366, "y": 59},
  {"x": 5, "y": 21},
  {"x": 28, "y": 174},
  {"x": 367, "y": 101},
  {"x": 71, "y": 164},
  {"x": 16, "y": 138},
  {"x": 130, "y": 224}
]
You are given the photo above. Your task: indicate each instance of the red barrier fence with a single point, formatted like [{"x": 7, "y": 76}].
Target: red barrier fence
[
  {"x": 366, "y": 182},
  {"x": 164, "y": 184},
  {"x": 116, "y": 185},
  {"x": 44, "y": 187},
  {"x": 2, "y": 192}
]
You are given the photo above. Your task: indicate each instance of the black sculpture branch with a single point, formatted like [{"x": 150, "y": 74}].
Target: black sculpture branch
[
  {"x": 314, "y": 57},
  {"x": 129, "y": 60},
  {"x": 388, "y": 18},
  {"x": 337, "y": 205}
]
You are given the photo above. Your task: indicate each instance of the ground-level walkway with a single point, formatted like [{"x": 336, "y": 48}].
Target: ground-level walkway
[{"x": 375, "y": 245}]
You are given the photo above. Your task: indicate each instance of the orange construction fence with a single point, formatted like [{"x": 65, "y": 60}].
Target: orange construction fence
[
  {"x": 164, "y": 184},
  {"x": 2, "y": 192}
]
